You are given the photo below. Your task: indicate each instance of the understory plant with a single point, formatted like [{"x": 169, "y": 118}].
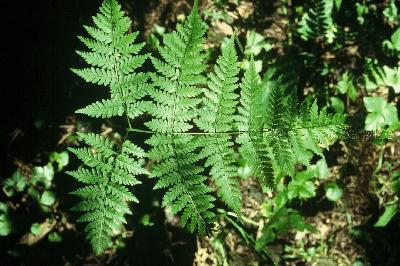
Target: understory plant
[{"x": 197, "y": 120}]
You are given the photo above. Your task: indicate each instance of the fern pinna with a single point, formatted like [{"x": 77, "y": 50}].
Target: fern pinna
[
  {"x": 196, "y": 119},
  {"x": 217, "y": 118},
  {"x": 109, "y": 167},
  {"x": 274, "y": 134},
  {"x": 176, "y": 90}
]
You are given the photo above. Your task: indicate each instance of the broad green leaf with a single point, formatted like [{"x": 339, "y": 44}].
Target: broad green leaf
[
  {"x": 346, "y": 86},
  {"x": 396, "y": 39},
  {"x": 300, "y": 187},
  {"x": 61, "y": 159},
  {"x": 5, "y": 225},
  {"x": 47, "y": 198},
  {"x": 374, "y": 121},
  {"x": 392, "y": 78},
  {"x": 390, "y": 212},
  {"x": 337, "y": 105},
  {"x": 321, "y": 169},
  {"x": 380, "y": 114},
  {"x": 35, "y": 229},
  {"x": 54, "y": 237},
  {"x": 333, "y": 192},
  {"x": 43, "y": 175},
  {"x": 255, "y": 43},
  {"x": 391, "y": 12}
]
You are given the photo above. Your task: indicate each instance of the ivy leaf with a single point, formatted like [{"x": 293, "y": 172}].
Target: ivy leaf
[
  {"x": 300, "y": 186},
  {"x": 255, "y": 43},
  {"x": 391, "y": 12},
  {"x": 380, "y": 114},
  {"x": 346, "y": 86}
]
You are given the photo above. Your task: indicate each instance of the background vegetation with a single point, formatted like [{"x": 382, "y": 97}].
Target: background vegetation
[{"x": 341, "y": 210}]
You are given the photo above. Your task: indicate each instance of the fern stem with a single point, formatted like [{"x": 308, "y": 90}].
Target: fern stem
[{"x": 237, "y": 132}]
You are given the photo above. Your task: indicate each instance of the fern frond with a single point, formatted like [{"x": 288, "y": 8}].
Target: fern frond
[
  {"x": 113, "y": 60},
  {"x": 179, "y": 72},
  {"x": 109, "y": 169},
  {"x": 217, "y": 115},
  {"x": 106, "y": 179},
  {"x": 318, "y": 21}
]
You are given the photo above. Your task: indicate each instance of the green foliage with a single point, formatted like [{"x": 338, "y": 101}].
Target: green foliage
[
  {"x": 255, "y": 44},
  {"x": 113, "y": 60},
  {"x": 194, "y": 119},
  {"x": 376, "y": 76},
  {"x": 43, "y": 175},
  {"x": 35, "y": 229},
  {"x": 333, "y": 192},
  {"x": 54, "y": 237},
  {"x": 392, "y": 46},
  {"x": 380, "y": 113},
  {"x": 283, "y": 221},
  {"x": 301, "y": 187},
  {"x": 388, "y": 214},
  {"x": 16, "y": 183},
  {"x": 279, "y": 134},
  {"x": 217, "y": 116},
  {"x": 251, "y": 125},
  {"x": 346, "y": 86},
  {"x": 318, "y": 22},
  {"x": 180, "y": 72},
  {"x": 110, "y": 167},
  {"x": 391, "y": 12},
  {"x": 61, "y": 158},
  {"x": 47, "y": 198},
  {"x": 104, "y": 195},
  {"x": 5, "y": 220}
]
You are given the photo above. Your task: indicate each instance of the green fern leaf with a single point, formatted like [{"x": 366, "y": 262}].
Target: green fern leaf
[
  {"x": 110, "y": 168},
  {"x": 251, "y": 126},
  {"x": 176, "y": 87},
  {"x": 217, "y": 116},
  {"x": 318, "y": 21},
  {"x": 106, "y": 179},
  {"x": 113, "y": 60}
]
